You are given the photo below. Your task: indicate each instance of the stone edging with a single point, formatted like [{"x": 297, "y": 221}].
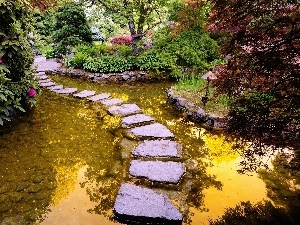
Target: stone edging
[
  {"x": 127, "y": 76},
  {"x": 194, "y": 113}
]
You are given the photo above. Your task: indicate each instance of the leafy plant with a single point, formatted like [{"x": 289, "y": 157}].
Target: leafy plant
[
  {"x": 70, "y": 29},
  {"x": 125, "y": 40},
  {"x": 107, "y": 64},
  {"x": 155, "y": 60},
  {"x": 16, "y": 58}
]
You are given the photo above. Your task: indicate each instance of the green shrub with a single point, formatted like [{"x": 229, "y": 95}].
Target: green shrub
[
  {"x": 192, "y": 48},
  {"x": 70, "y": 29},
  {"x": 77, "y": 60},
  {"x": 107, "y": 64},
  {"x": 155, "y": 60},
  {"x": 16, "y": 58},
  {"x": 124, "y": 50}
]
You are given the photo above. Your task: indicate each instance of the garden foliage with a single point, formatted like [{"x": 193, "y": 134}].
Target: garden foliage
[
  {"x": 16, "y": 57},
  {"x": 263, "y": 67},
  {"x": 70, "y": 29}
]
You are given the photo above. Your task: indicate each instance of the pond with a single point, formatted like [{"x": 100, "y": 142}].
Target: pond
[{"x": 65, "y": 162}]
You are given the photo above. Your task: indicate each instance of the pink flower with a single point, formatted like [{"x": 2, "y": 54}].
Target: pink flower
[
  {"x": 1, "y": 61},
  {"x": 31, "y": 92}
]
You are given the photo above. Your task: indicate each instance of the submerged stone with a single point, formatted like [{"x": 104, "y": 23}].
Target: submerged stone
[
  {"x": 155, "y": 130},
  {"x": 158, "y": 148},
  {"x": 169, "y": 172},
  {"x": 138, "y": 204},
  {"x": 111, "y": 102},
  {"x": 136, "y": 119},
  {"x": 99, "y": 97},
  {"x": 84, "y": 94},
  {"x": 47, "y": 84},
  {"x": 65, "y": 91},
  {"x": 124, "y": 110}
]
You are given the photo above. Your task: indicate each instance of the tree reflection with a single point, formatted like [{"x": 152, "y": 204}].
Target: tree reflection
[{"x": 283, "y": 188}]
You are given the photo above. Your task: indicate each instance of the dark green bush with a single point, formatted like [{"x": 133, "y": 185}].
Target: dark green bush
[
  {"x": 70, "y": 29},
  {"x": 192, "y": 48},
  {"x": 16, "y": 58}
]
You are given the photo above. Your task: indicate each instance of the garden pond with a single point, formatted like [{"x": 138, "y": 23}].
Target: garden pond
[{"x": 64, "y": 163}]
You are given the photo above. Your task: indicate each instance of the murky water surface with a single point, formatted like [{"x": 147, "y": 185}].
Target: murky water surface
[{"x": 64, "y": 164}]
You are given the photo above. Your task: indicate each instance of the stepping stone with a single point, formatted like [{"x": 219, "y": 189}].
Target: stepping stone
[
  {"x": 169, "y": 172},
  {"x": 84, "y": 94},
  {"x": 155, "y": 130},
  {"x": 136, "y": 119},
  {"x": 124, "y": 110},
  {"x": 138, "y": 204},
  {"x": 99, "y": 97},
  {"x": 45, "y": 81},
  {"x": 56, "y": 87},
  {"x": 66, "y": 91},
  {"x": 47, "y": 84},
  {"x": 111, "y": 102},
  {"x": 158, "y": 148},
  {"x": 43, "y": 77},
  {"x": 38, "y": 74}
]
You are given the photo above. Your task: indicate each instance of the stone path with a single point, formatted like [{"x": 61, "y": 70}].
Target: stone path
[{"x": 153, "y": 156}]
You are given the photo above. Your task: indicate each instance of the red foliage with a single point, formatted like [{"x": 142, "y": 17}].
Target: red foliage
[
  {"x": 125, "y": 39},
  {"x": 264, "y": 52}
]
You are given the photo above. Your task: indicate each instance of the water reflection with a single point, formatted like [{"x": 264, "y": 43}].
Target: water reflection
[
  {"x": 283, "y": 188},
  {"x": 65, "y": 164}
]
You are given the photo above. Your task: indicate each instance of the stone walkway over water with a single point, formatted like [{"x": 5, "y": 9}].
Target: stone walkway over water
[{"x": 153, "y": 157}]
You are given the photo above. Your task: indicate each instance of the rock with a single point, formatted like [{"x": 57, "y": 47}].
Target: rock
[
  {"x": 48, "y": 84},
  {"x": 169, "y": 172},
  {"x": 34, "y": 188},
  {"x": 99, "y": 97},
  {"x": 111, "y": 102},
  {"x": 56, "y": 87},
  {"x": 45, "y": 81},
  {"x": 43, "y": 77},
  {"x": 84, "y": 94},
  {"x": 136, "y": 119},
  {"x": 65, "y": 91},
  {"x": 155, "y": 130},
  {"x": 138, "y": 204},
  {"x": 124, "y": 110},
  {"x": 158, "y": 148}
]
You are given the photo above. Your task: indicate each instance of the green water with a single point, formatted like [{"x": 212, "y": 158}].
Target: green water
[{"x": 64, "y": 162}]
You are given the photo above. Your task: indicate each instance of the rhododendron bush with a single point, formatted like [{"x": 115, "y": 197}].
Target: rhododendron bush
[{"x": 17, "y": 87}]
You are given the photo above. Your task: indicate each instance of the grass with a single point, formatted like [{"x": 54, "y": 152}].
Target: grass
[{"x": 194, "y": 88}]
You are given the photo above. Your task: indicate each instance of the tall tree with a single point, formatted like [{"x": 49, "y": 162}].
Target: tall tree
[
  {"x": 262, "y": 73},
  {"x": 140, "y": 16}
]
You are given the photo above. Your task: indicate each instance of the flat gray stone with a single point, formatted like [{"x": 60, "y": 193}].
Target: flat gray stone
[
  {"x": 38, "y": 74},
  {"x": 158, "y": 148},
  {"x": 66, "y": 91},
  {"x": 99, "y": 97},
  {"x": 111, "y": 102},
  {"x": 84, "y": 94},
  {"x": 45, "y": 81},
  {"x": 135, "y": 203},
  {"x": 56, "y": 87},
  {"x": 155, "y": 130},
  {"x": 136, "y": 119},
  {"x": 169, "y": 172},
  {"x": 47, "y": 84},
  {"x": 43, "y": 77},
  {"x": 124, "y": 110}
]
